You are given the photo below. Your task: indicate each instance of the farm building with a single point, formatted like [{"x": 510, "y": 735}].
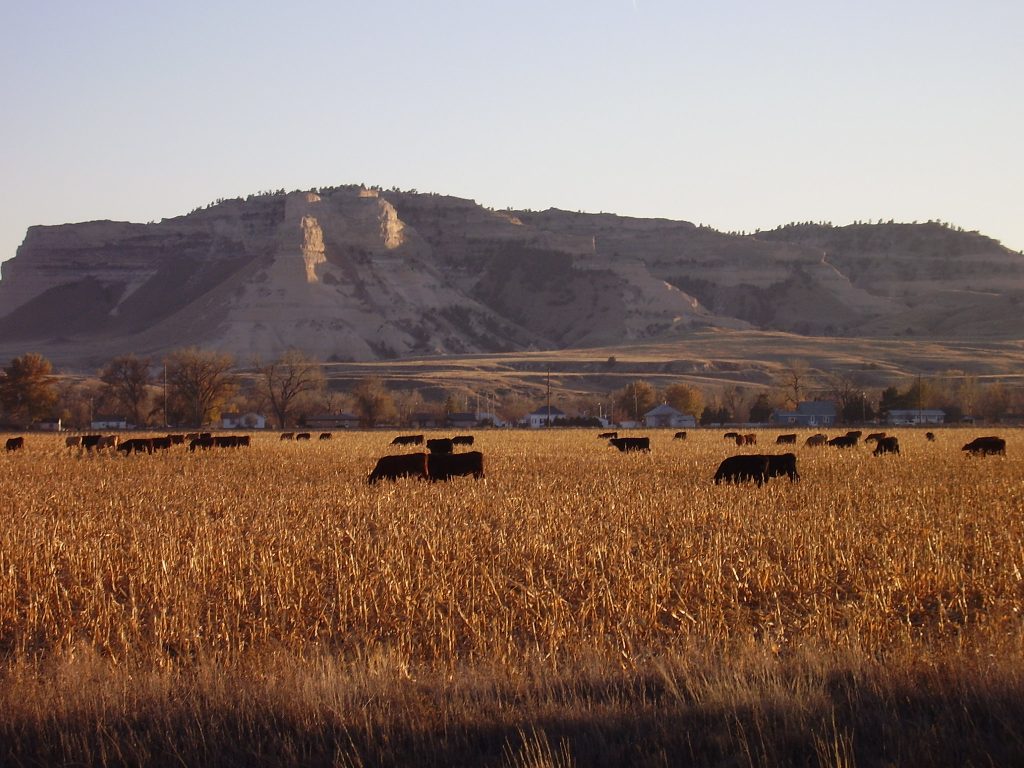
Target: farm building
[
  {"x": 108, "y": 422},
  {"x": 809, "y": 413},
  {"x": 249, "y": 420},
  {"x": 907, "y": 416},
  {"x": 332, "y": 421},
  {"x": 543, "y": 416},
  {"x": 667, "y": 416}
]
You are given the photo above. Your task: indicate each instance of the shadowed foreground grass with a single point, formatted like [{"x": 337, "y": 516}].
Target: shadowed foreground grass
[{"x": 579, "y": 607}]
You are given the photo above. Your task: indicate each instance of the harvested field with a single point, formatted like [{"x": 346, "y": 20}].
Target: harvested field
[{"x": 580, "y": 606}]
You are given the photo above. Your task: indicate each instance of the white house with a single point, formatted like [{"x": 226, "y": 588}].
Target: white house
[
  {"x": 108, "y": 422},
  {"x": 810, "y": 413},
  {"x": 915, "y": 416},
  {"x": 667, "y": 416},
  {"x": 543, "y": 416},
  {"x": 251, "y": 420}
]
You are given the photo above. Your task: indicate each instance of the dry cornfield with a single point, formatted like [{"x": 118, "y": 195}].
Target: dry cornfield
[{"x": 579, "y": 606}]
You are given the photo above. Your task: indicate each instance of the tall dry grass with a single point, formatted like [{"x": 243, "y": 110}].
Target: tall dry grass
[{"x": 579, "y": 606}]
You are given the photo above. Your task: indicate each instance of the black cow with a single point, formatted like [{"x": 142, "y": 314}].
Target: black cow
[
  {"x": 874, "y": 436},
  {"x": 445, "y": 466},
  {"x": 287, "y": 435},
  {"x": 846, "y": 441},
  {"x": 738, "y": 469},
  {"x": 731, "y": 435},
  {"x": 854, "y": 433},
  {"x": 887, "y": 445},
  {"x": 625, "y": 444},
  {"x": 986, "y": 445},
  {"x": 303, "y": 436},
  {"x": 462, "y": 440},
  {"x": 608, "y": 435},
  {"x": 162, "y": 443},
  {"x": 326, "y": 436},
  {"x": 439, "y": 445},
  {"x": 783, "y": 464},
  {"x": 782, "y": 439},
  {"x": 230, "y": 441},
  {"x": 89, "y": 442},
  {"x": 408, "y": 440},
  {"x": 929, "y": 436},
  {"x": 200, "y": 442},
  {"x": 679, "y": 436},
  {"x": 177, "y": 439},
  {"x": 15, "y": 443},
  {"x": 136, "y": 445},
  {"x": 402, "y": 465},
  {"x": 815, "y": 440}
]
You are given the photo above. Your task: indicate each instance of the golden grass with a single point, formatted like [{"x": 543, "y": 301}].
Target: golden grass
[{"x": 223, "y": 596}]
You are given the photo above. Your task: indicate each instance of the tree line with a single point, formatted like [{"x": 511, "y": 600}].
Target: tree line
[{"x": 194, "y": 387}]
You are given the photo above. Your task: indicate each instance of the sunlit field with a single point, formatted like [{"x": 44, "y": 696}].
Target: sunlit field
[{"x": 579, "y": 606}]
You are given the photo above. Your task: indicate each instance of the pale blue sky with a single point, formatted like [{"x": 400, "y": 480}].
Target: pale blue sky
[{"x": 740, "y": 115}]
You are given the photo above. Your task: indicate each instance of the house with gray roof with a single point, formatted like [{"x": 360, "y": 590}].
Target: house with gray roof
[
  {"x": 810, "y": 413},
  {"x": 667, "y": 416}
]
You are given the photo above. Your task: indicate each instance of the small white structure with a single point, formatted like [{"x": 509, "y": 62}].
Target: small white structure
[
  {"x": 908, "y": 416},
  {"x": 251, "y": 420},
  {"x": 543, "y": 416},
  {"x": 108, "y": 422},
  {"x": 667, "y": 416},
  {"x": 49, "y": 425}
]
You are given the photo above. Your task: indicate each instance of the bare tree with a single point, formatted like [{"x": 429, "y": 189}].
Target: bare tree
[
  {"x": 199, "y": 382},
  {"x": 795, "y": 381},
  {"x": 125, "y": 381},
  {"x": 372, "y": 401},
  {"x": 287, "y": 379}
]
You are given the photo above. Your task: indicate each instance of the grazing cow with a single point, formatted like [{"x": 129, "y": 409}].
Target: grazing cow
[
  {"x": 887, "y": 445},
  {"x": 874, "y": 436},
  {"x": 625, "y": 444},
  {"x": 746, "y": 439},
  {"x": 106, "y": 441},
  {"x": 738, "y": 469},
  {"x": 287, "y": 435},
  {"x": 303, "y": 436},
  {"x": 607, "y": 435},
  {"x": 846, "y": 441},
  {"x": 986, "y": 445},
  {"x": 439, "y": 445},
  {"x": 679, "y": 436},
  {"x": 136, "y": 445},
  {"x": 929, "y": 436},
  {"x": 90, "y": 441},
  {"x": 326, "y": 436},
  {"x": 15, "y": 443},
  {"x": 816, "y": 440},
  {"x": 200, "y": 442},
  {"x": 782, "y": 439},
  {"x": 402, "y": 465},
  {"x": 462, "y": 440},
  {"x": 445, "y": 466},
  {"x": 205, "y": 435},
  {"x": 161, "y": 443},
  {"x": 783, "y": 464},
  {"x": 854, "y": 433},
  {"x": 177, "y": 439},
  {"x": 190, "y": 436},
  {"x": 408, "y": 440},
  {"x": 731, "y": 435},
  {"x": 74, "y": 441}
]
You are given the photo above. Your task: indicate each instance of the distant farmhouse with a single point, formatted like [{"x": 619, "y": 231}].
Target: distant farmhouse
[
  {"x": 809, "y": 413},
  {"x": 251, "y": 420},
  {"x": 667, "y": 416},
  {"x": 912, "y": 416},
  {"x": 108, "y": 422},
  {"x": 543, "y": 416},
  {"x": 333, "y": 421}
]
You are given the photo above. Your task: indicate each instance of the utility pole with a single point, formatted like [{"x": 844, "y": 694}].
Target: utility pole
[
  {"x": 549, "y": 395},
  {"x": 165, "y": 394}
]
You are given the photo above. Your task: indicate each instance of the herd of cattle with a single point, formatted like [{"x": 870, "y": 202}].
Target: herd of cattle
[{"x": 442, "y": 462}]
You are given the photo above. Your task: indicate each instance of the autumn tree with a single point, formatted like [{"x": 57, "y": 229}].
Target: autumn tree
[
  {"x": 636, "y": 399},
  {"x": 685, "y": 399},
  {"x": 125, "y": 382},
  {"x": 28, "y": 388},
  {"x": 199, "y": 382},
  {"x": 287, "y": 379},
  {"x": 372, "y": 402}
]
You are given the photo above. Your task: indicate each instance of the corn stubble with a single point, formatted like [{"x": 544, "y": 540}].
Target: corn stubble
[{"x": 580, "y": 606}]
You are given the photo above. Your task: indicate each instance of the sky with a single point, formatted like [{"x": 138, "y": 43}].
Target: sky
[{"x": 734, "y": 114}]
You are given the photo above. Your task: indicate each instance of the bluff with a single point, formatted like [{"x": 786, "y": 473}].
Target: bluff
[{"x": 351, "y": 273}]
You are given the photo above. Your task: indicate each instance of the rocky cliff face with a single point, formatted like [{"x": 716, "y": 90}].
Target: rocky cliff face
[{"x": 357, "y": 274}]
